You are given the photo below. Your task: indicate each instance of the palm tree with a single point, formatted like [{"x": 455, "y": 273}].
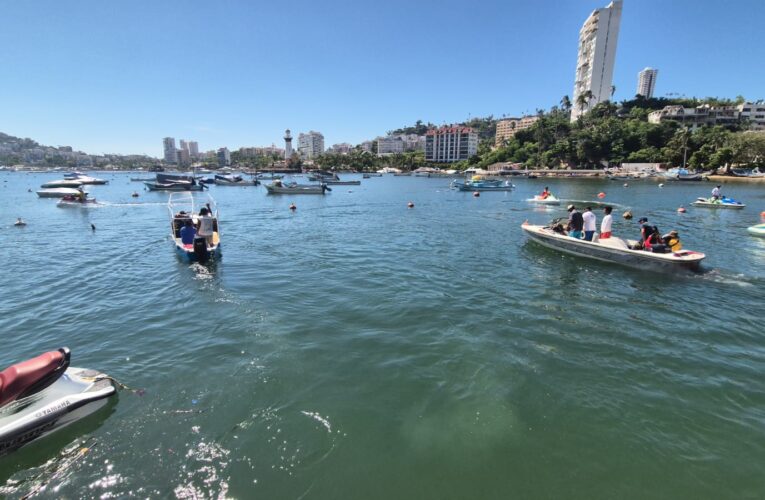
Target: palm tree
[
  {"x": 613, "y": 91},
  {"x": 583, "y": 100},
  {"x": 565, "y": 103}
]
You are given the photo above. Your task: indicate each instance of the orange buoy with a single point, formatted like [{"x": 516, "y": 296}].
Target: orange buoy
[
  {"x": 601, "y": 195},
  {"x": 410, "y": 205},
  {"x": 293, "y": 207},
  {"x": 681, "y": 210},
  {"x": 476, "y": 194},
  {"x": 762, "y": 214}
]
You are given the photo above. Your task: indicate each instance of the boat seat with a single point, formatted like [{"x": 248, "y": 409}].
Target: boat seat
[{"x": 33, "y": 375}]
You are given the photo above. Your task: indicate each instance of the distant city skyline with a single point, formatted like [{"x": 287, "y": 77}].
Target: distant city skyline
[{"x": 100, "y": 83}]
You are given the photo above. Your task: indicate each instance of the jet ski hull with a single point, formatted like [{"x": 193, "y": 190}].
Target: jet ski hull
[{"x": 76, "y": 394}]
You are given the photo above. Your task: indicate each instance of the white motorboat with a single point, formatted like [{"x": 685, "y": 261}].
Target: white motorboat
[
  {"x": 185, "y": 207},
  {"x": 233, "y": 180},
  {"x": 65, "y": 183},
  {"x": 717, "y": 203},
  {"x": 84, "y": 179},
  {"x": 58, "y": 192},
  {"x": 548, "y": 200},
  {"x": 615, "y": 250},
  {"x": 44, "y": 394},
  {"x": 757, "y": 230}
]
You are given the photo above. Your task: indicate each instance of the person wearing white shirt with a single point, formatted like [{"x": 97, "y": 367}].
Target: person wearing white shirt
[
  {"x": 589, "y": 224},
  {"x": 716, "y": 193},
  {"x": 605, "y": 225}
]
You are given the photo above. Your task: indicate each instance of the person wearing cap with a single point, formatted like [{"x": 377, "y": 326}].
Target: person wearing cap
[
  {"x": 716, "y": 195},
  {"x": 575, "y": 222},
  {"x": 649, "y": 236},
  {"x": 605, "y": 224},
  {"x": 590, "y": 224}
]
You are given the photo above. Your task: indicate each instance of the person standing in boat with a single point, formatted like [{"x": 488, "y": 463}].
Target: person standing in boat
[
  {"x": 590, "y": 224},
  {"x": 716, "y": 193},
  {"x": 205, "y": 225},
  {"x": 575, "y": 223},
  {"x": 605, "y": 225}
]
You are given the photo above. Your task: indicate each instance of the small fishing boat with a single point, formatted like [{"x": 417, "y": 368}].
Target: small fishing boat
[
  {"x": 278, "y": 187},
  {"x": 57, "y": 192},
  {"x": 548, "y": 200},
  {"x": 682, "y": 174},
  {"x": 233, "y": 180},
  {"x": 614, "y": 250},
  {"x": 19, "y": 222},
  {"x": 84, "y": 179},
  {"x": 740, "y": 172},
  {"x": 483, "y": 185},
  {"x": 65, "y": 183},
  {"x": 185, "y": 207},
  {"x": 757, "y": 230},
  {"x": 142, "y": 179},
  {"x": 44, "y": 394},
  {"x": 372, "y": 174},
  {"x": 268, "y": 176},
  {"x": 717, "y": 203}
]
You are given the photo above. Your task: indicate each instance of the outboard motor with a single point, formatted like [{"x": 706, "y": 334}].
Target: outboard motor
[{"x": 200, "y": 250}]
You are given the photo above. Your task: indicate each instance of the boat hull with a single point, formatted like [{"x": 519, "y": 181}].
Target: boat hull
[
  {"x": 295, "y": 189},
  {"x": 57, "y": 192},
  {"x": 78, "y": 393},
  {"x": 154, "y": 186},
  {"x": 544, "y": 201},
  {"x": 638, "y": 259},
  {"x": 711, "y": 204},
  {"x": 758, "y": 230},
  {"x": 188, "y": 254}
]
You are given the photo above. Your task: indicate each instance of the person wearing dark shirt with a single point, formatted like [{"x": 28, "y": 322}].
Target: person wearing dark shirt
[
  {"x": 188, "y": 232},
  {"x": 575, "y": 223}
]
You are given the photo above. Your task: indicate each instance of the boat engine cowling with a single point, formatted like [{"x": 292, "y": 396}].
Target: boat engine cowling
[{"x": 200, "y": 250}]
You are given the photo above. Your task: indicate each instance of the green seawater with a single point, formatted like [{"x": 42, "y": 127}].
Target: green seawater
[{"x": 359, "y": 349}]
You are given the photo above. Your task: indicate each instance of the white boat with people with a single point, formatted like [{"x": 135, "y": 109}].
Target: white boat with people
[
  {"x": 279, "y": 187},
  {"x": 544, "y": 200},
  {"x": 79, "y": 200},
  {"x": 58, "y": 192},
  {"x": 194, "y": 227},
  {"x": 615, "y": 250}
]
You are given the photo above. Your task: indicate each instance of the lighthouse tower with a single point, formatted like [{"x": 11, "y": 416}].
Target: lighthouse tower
[{"x": 287, "y": 145}]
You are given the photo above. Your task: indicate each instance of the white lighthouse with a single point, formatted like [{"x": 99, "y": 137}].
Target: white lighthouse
[{"x": 287, "y": 145}]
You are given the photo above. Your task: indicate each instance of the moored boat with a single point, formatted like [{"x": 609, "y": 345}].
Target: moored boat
[
  {"x": 614, "y": 250},
  {"x": 65, "y": 183},
  {"x": 682, "y": 174},
  {"x": 44, "y": 394},
  {"x": 58, "y": 192},
  {"x": 84, "y": 179},
  {"x": 343, "y": 183},
  {"x": 169, "y": 182},
  {"x": 278, "y": 187},
  {"x": 184, "y": 207},
  {"x": 757, "y": 230},
  {"x": 233, "y": 180},
  {"x": 483, "y": 185},
  {"x": 717, "y": 203}
]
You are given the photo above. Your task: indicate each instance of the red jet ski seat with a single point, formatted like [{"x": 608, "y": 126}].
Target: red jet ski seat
[{"x": 31, "y": 376}]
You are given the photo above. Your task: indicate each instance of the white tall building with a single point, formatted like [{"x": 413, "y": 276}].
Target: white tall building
[
  {"x": 647, "y": 82},
  {"x": 450, "y": 143},
  {"x": 310, "y": 145},
  {"x": 194, "y": 149},
  {"x": 597, "y": 52},
  {"x": 170, "y": 153},
  {"x": 287, "y": 145}
]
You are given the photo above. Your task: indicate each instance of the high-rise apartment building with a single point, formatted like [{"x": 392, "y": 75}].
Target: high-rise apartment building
[
  {"x": 450, "y": 144},
  {"x": 169, "y": 146},
  {"x": 310, "y": 145},
  {"x": 224, "y": 157},
  {"x": 194, "y": 149},
  {"x": 595, "y": 62},
  {"x": 647, "y": 82},
  {"x": 287, "y": 145},
  {"x": 508, "y": 127}
]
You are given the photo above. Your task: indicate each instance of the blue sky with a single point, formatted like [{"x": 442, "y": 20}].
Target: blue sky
[{"x": 117, "y": 77}]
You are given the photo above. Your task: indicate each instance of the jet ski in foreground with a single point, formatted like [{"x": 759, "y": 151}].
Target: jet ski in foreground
[{"x": 44, "y": 394}]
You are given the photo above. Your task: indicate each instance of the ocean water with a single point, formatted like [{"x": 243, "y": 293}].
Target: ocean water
[{"x": 356, "y": 348}]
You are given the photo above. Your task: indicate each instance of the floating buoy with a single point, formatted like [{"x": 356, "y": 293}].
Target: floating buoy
[
  {"x": 626, "y": 185},
  {"x": 410, "y": 205},
  {"x": 20, "y": 222},
  {"x": 293, "y": 207},
  {"x": 762, "y": 214},
  {"x": 681, "y": 210},
  {"x": 661, "y": 185},
  {"x": 135, "y": 194},
  {"x": 601, "y": 195},
  {"x": 476, "y": 194},
  {"x": 627, "y": 215}
]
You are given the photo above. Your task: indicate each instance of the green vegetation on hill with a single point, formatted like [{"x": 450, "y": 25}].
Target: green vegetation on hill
[{"x": 611, "y": 134}]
